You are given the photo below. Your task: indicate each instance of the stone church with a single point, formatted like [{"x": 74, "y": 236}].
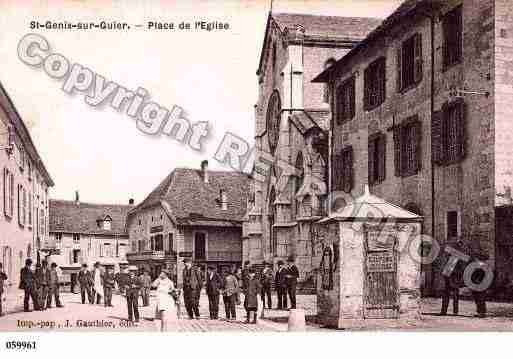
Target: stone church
[{"x": 290, "y": 176}]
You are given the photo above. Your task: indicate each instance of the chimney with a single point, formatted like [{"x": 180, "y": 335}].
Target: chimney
[
  {"x": 131, "y": 201},
  {"x": 204, "y": 170},
  {"x": 77, "y": 198},
  {"x": 224, "y": 200}
]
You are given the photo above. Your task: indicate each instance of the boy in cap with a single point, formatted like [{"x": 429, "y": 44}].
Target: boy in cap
[{"x": 266, "y": 279}]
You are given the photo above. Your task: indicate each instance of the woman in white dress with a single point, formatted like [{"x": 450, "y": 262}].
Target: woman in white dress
[{"x": 166, "y": 306}]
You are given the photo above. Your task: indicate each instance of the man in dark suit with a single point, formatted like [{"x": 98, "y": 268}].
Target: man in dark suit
[
  {"x": 85, "y": 279},
  {"x": 132, "y": 288},
  {"x": 192, "y": 283},
  {"x": 214, "y": 285},
  {"x": 266, "y": 279},
  {"x": 53, "y": 287},
  {"x": 42, "y": 281},
  {"x": 291, "y": 280},
  {"x": 28, "y": 284},
  {"x": 3, "y": 278},
  {"x": 280, "y": 282}
]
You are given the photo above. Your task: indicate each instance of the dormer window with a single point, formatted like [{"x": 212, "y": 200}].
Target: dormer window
[{"x": 107, "y": 223}]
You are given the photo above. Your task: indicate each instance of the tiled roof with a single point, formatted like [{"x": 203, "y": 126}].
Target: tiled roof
[
  {"x": 70, "y": 217},
  {"x": 355, "y": 28},
  {"x": 188, "y": 199},
  {"x": 407, "y": 8}
]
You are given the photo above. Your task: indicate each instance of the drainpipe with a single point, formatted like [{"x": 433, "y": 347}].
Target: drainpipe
[{"x": 433, "y": 212}]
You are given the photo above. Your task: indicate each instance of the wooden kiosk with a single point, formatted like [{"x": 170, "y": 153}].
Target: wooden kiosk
[{"x": 370, "y": 268}]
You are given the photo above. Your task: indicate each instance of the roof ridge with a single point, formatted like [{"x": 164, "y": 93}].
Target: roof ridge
[
  {"x": 89, "y": 203},
  {"x": 322, "y": 15}
]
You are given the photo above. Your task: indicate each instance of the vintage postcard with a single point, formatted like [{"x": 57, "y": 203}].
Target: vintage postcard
[{"x": 255, "y": 166}]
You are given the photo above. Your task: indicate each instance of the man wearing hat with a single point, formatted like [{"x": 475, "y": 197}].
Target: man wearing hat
[
  {"x": 53, "y": 287},
  {"x": 85, "y": 279},
  {"x": 132, "y": 287},
  {"x": 280, "y": 283},
  {"x": 245, "y": 275},
  {"x": 214, "y": 285},
  {"x": 28, "y": 284},
  {"x": 192, "y": 283},
  {"x": 266, "y": 279},
  {"x": 291, "y": 279}
]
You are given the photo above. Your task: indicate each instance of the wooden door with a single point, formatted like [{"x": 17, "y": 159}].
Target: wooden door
[{"x": 381, "y": 292}]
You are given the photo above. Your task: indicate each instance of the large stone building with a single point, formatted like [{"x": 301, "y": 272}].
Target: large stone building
[
  {"x": 292, "y": 125},
  {"x": 24, "y": 191},
  {"x": 422, "y": 113},
  {"x": 193, "y": 213},
  {"x": 86, "y": 233}
]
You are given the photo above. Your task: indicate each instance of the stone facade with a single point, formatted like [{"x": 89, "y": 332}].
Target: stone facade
[
  {"x": 25, "y": 184},
  {"x": 466, "y": 187}
]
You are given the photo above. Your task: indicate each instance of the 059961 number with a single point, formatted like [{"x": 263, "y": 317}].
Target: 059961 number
[{"x": 20, "y": 345}]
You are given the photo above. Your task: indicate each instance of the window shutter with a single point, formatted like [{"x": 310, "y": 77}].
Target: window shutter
[
  {"x": 461, "y": 130},
  {"x": 418, "y": 58},
  {"x": 366, "y": 92},
  {"x": 352, "y": 102},
  {"x": 349, "y": 175},
  {"x": 5, "y": 191},
  {"x": 437, "y": 153},
  {"x": 397, "y": 150},
  {"x": 383, "y": 80},
  {"x": 371, "y": 159},
  {"x": 382, "y": 151},
  {"x": 400, "y": 68},
  {"x": 19, "y": 204},
  {"x": 418, "y": 145}
]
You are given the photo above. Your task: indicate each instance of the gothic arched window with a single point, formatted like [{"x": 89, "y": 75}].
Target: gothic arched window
[
  {"x": 326, "y": 93},
  {"x": 300, "y": 171},
  {"x": 273, "y": 120}
]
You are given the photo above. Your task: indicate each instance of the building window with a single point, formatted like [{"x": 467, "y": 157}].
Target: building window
[
  {"x": 343, "y": 170},
  {"x": 159, "y": 242},
  {"x": 407, "y": 147},
  {"x": 58, "y": 237},
  {"x": 300, "y": 171},
  {"x": 452, "y": 25},
  {"x": 107, "y": 224},
  {"x": 29, "y": 169},
  {"x": 377, "y": 158},
  {"x": 375, "y": 84},
  {"x": 76, "y": 238},
  {"x": 22, "y": 158},
  {"x": 409, "y": 63},
  {"x": 453, "y": 225},
  {"x": 8, "y": 193},
  {"x": 30, "y": 209},
  {"x": 345, "y": 100},
  {"x": 22, "y": 205},
  {"x": 42, "y": 223},
  {"x": 448, "y": 134}
]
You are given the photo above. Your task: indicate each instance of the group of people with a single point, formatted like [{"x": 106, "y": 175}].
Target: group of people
[
  {"x": 230, "y": 284},
  {"x": 40, "y": 285}
]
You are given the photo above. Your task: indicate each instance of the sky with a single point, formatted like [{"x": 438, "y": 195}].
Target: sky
[{"x": 99, "y": 151}]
